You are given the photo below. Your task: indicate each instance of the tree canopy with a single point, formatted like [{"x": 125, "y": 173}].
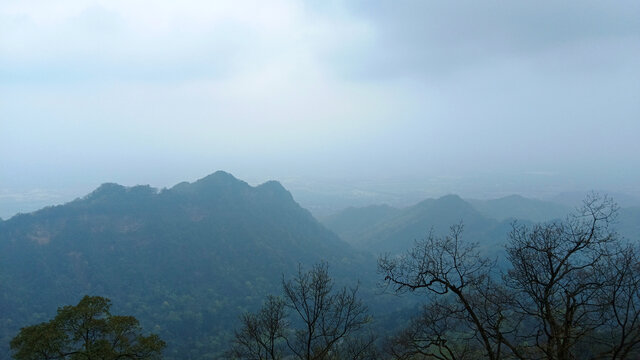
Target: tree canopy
[{"x": 86, "y": 331}]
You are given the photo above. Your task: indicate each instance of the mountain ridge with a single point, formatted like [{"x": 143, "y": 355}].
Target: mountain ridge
[
  {"x": 211, "y": 249},
  {"x": 395, "y": 230}
]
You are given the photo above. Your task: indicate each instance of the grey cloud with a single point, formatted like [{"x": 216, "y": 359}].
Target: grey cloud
[
  {"x": 478, "y": 90},
  {"x": 430, "y": 38},
  {"x": 99, "y": 45}
]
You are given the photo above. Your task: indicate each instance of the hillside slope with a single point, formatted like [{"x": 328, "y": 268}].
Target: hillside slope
[
  {"x": 186, "y": 261},
  {"x": 396, "y": 230},
  {"x": 379, "y": 229},
  {"x": 521, "y": 208}
]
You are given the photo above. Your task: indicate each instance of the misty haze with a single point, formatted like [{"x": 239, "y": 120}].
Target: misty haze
[{"x": 293, "y": 179}]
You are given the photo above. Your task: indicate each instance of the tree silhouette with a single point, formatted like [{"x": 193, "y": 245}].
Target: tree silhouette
[
  {"x": 311, "y": 321},
  {"x": 86, "y": 331},
  {"x": 571, "y": 289}
]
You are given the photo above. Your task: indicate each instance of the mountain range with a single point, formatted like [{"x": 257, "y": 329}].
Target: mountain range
[
  {"x": 381, "y": 228},
  {"x": 188, "y": 260}
]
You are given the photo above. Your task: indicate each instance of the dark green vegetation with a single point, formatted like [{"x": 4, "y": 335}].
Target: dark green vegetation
[
  {"x": 87, "y": 331},
  {"x": 185, "y": 261},
  {"x": 190, "y": 260}
]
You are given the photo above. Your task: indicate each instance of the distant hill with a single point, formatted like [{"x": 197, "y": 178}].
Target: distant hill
[
  {"x": 186, "y": 261},
  {"x": 383, "y": 229},
  {"x": 575, "y": 198},
  {"x": 521, "y": 208},
  {"x": 353, "y": 223}
]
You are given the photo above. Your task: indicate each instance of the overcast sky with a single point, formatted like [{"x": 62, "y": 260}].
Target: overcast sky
[{"x": 157, "y": 92}]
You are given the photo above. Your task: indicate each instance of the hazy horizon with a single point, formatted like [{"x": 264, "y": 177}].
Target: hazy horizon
[
  {"x": 408, "y": 99},
  {"x": 327, "y": 196}
]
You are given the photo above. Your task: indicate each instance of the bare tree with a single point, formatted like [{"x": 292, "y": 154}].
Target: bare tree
[
  {"x": 619, "y": 335},
  {"x": 325, "y": 324},
  {"x": 571, "y": 291},
  {"x": 557, "y": 273},
  {"x": 454, "y": 272},
  {"x": 262, "y": 334},
  {"x": 357, "y": 347},
  {"x": 437, "y": 332},
  {"x": 327, "y": 318}
]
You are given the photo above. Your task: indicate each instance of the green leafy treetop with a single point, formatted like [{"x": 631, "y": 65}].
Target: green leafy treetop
[{"x": 86, "y": 331}]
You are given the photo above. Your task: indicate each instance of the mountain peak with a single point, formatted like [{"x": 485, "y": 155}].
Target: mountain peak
[
  {"x": 106, "y": 190},
  {"x": 275, "y": 189},
  {"x": 451, "y": 198},
  {"x": 219, "y": 177},
  {"x": 272, "y": 185},
  {"x": 446, "y": 201}
]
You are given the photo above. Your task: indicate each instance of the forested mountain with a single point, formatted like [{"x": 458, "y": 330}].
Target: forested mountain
[
  {"x": 521, "y": 208},
  {"x": 353, "y": 223},
  {"x": 394, "y": 230},
  {"x": 186, "y": 261},
  {"x": 382, "y": 228}
]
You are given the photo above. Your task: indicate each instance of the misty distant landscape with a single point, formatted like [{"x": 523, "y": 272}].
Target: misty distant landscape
[
  {"x": 189, "y": 260},
  {"x": 332, "y": 180}
]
